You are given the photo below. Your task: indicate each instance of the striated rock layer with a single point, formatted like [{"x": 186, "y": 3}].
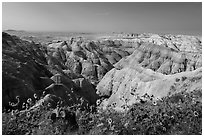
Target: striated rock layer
[
  {"x": 90, "y": 59},
  {"x": 159, "y": 66},
  {"x": 129, "y": 85},
  {"x": 162, "y": 59}
]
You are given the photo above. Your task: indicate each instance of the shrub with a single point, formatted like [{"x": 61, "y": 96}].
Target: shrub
[{"x": 180, "y": 114}]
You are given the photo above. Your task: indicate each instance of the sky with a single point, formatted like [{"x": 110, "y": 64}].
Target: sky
[{"x": 178, "y": 18}]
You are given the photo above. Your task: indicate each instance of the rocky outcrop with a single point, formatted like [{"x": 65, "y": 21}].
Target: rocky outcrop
[
  {"x": 70, "y": 90},
  {"x": 161, "y": 59},
  {"x": 181, "y": 43},
  {"x": 128, "y": 86},
  {"x": 29, "y": 69},
  {"x": 91, "y": 59},
  {"x": 158, "y": 67},
  {"x": 82, "y": 58},
  {"x": 86, "y": 90}
]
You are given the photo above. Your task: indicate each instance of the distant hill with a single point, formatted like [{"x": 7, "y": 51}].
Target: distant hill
[{"x": 12, "y": 30}]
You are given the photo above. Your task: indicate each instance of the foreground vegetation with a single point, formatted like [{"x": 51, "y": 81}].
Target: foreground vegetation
[{"x": 179, "y": 114}]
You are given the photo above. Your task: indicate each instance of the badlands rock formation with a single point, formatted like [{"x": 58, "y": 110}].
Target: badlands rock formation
[
  {"x": 129, "y": 85},
  {"x": 28, "y": 69},
  {"x": 87, "y": 58},
  {"x": 162, "y": 59},
  {"x": 120, "y": 68},
  {"x": 158, "y": 67}
]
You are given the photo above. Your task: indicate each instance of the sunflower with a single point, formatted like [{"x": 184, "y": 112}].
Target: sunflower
[
  {"x": 35, "y": 96},
  {"x": 49, "y": 105},
  {"x": 28, "y": 114},
  {"x": 98, "y": 102},
  {"x": 195, "y": 113},
  {"x": 29, "y": 100},
  {"x": 109, "y": 121},
  {"x": 154, "y": 103}
]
